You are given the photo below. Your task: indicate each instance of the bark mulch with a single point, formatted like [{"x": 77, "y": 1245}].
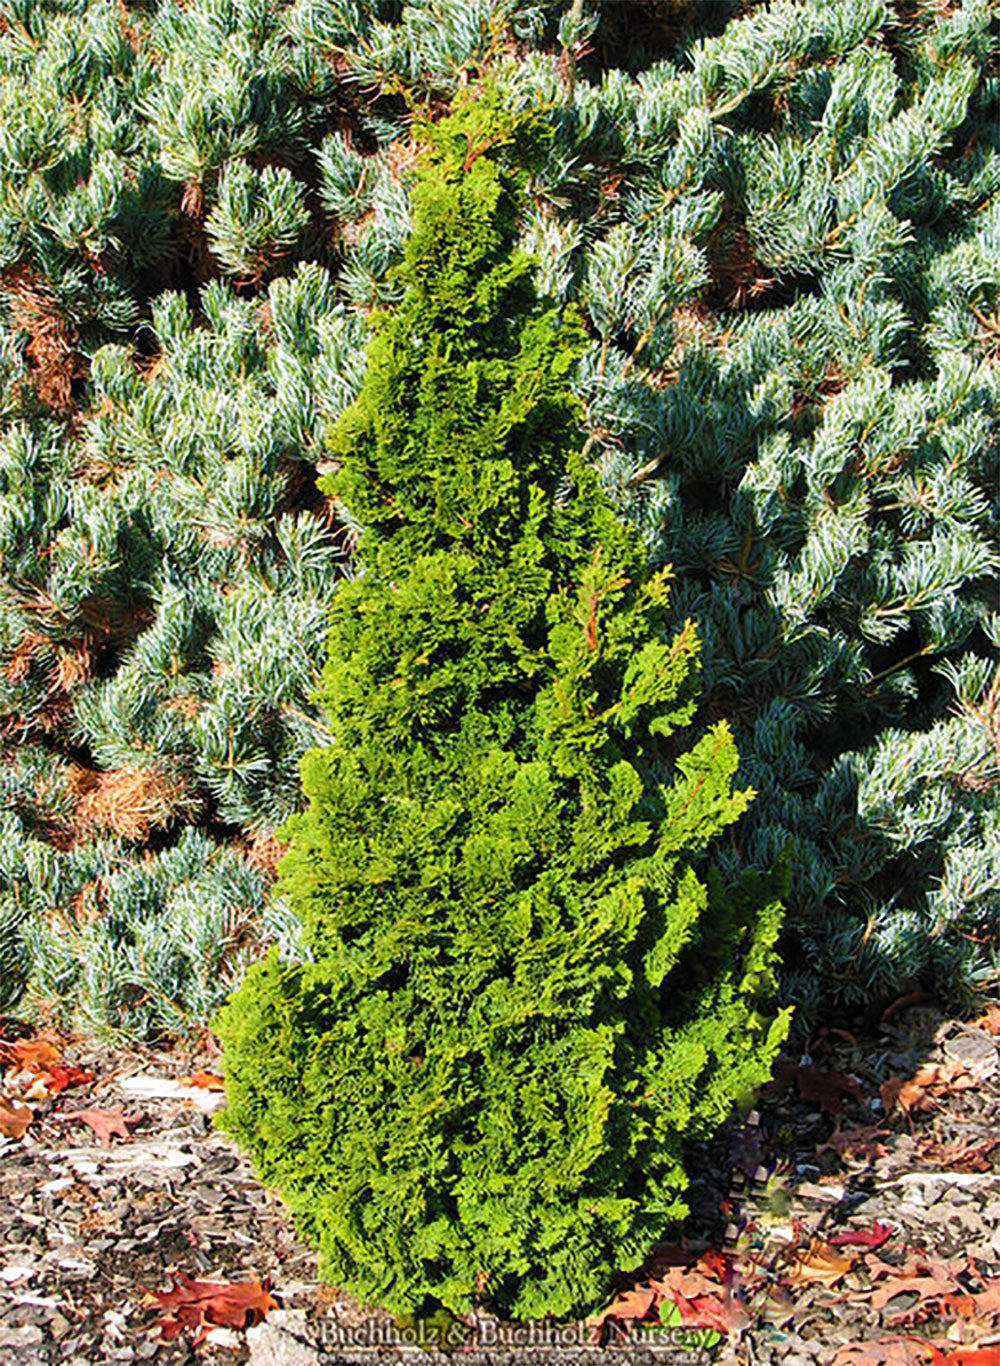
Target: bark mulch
[{"x": 90, "y": 1224}]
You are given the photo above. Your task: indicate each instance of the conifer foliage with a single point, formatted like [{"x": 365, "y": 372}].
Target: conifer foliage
[{"x": 517, "y": 998}]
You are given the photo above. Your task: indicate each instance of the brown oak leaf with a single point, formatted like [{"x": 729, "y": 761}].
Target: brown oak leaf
[{"x": 200, "y": 1306}]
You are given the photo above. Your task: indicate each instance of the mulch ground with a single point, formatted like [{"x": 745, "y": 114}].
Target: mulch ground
[{"x": 789, "y": 1205}]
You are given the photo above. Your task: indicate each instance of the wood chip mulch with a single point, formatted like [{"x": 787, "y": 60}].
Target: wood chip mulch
[{"x": 98, "y": 1212}]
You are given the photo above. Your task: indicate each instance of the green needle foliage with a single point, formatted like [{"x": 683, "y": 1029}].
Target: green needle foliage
[{"x": 518, "y": 1000}]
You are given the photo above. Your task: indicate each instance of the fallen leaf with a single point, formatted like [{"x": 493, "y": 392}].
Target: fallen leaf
[
  {"x": 721, "y": 1311},
  {"x": 208, "y": 1081},
  {"x": 862, "y": 1144},
  {"x": 818, "y": 1264},
  {"x": 103, "y": 1122},
  {"x": 964, "y": 1154},
  {"x": 202, "y": 1305},
  {"x": 973, "y": 1356},
  {"x": 815, "y": 1085},
  {"x": 14, "y": 1118},
  {"x": 39, "y": 1053},
  {"x": 35, "y": 1070},
  {"x": 990, "y": 1020},
  {"x": 894, "y": 1351},
  {"x": 715, "y": 1263},
  {"x": 31, "y": 1084},
  {"x": 906, "y": 1351},
  {"x": 915, "y": 1095},
  {"x": 633, "y": 1304},
  {"x": 705, "y": 1293},
  {"x": 874, "y": 1237},
  {"x": 930, "y": 1279},
  {"x": 973, "y": 1304},
  {"x": 59, "y": 1078}
]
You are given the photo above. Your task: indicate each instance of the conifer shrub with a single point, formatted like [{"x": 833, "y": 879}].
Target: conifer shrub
[
  {"x": 516, "y": 1000},
  {"x": 779, "y": 222},
  {"x": 783, "y": 234}
]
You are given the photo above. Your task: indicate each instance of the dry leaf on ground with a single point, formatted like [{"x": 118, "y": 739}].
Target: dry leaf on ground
[
  {"x": 815, "y": 1085},
  {"x": 35, "y": 1069},
  {"x": 633, "y": 1304},
  {"x": 989, "y": 1020},
  {"x": 873, "y": 1237},
  {"x": 929, "y": 1278},
  {"x": 39, "y": 1053},
  {"x": 973, "y": 1304},
  {"x": 14, "y": 1118},
  {"x": 892, "y": 1351},
  {"x": 204, "y": 1305},
  {"x": 922, "y": 1090},
  {"x": 705, "y": 1294},
  {"x": 964, "y": 1154},
  {"x": 103, "y": 1122},
  {"x": 720, "y": 1311},
  {"x": 818, "y": 1264},
  {"x": 912, "y": 1351},
  {"x": 863, "y": 1144},
  {"x": 207, "y": 1081}
]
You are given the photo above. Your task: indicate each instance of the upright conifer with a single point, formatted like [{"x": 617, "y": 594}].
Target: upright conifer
[{"x": 518, "y": 999}]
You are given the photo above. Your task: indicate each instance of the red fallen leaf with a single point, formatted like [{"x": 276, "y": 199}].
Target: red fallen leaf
[
  {"x": 208, "y": 1081},
  {"x": 36, "y": 1068},
  {"x": 714, "y": 1263},
  {"x": 204, "y": 1305},
  {"x": 59, "y": 1078},
  {"x": 972, "y": 1356},
  {"x": 875, "y": 1237},
  {"x": 103, "y": 1122},
  {"x": 14, "y": 1118},
  {"x": 633, "y": 1304}
]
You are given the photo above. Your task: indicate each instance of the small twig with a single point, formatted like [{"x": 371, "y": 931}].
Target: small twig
[
  {"x": 317, "y": 725},
  {"x": 912, "y": 998}
]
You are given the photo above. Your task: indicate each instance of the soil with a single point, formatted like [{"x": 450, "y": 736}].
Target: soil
[{"x": 88, "y": 1228}]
